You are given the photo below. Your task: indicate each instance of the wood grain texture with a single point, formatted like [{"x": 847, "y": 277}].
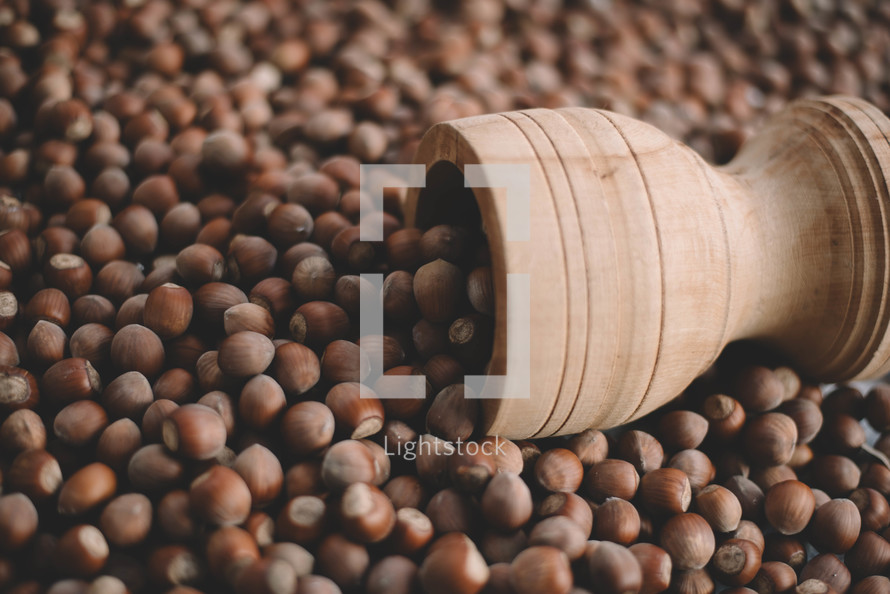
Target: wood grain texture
[{"x": 646, "y": 261}]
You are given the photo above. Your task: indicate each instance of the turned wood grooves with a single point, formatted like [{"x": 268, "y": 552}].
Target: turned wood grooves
[{"x": 645, "y": 261}]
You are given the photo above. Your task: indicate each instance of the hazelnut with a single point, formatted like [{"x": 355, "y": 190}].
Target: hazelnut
[
  {"x": 736, "y": 562},
  {"x": 693, "y": 580},
  {"x": 274, "y": 294},
  {"x": 127, "y": 519},
  {"x": 9, "y": 354},
  {"x": 829, "y": 569},
  {"x": 128, "y": 395},
  {"x": 772, "y": 475},
  {"x": 194, "y": 431},
  {"x": 118, "y": 280},
  {"x": 248, "y": 316},
  {"x": 873, "y": 507},
  {"x": 472, "y": 467},
  {"x": 176, "y": 384},
  {"x": 877, "y": 407},
  {"x": 616, "y": 520},
  {"x": 748, "y": 530},
  {"x": 319, "y": 323},
  {"x": 154, "y": 417},
  {"x": 506, "y": 501},
  {"x": 81, "y": 551},
  {"x": 455, "y": 566},
  {"x": 689, "y": 540},
  {"x": 136, "y": 348},
  {"x": 725, "y": 416},
  {"x": 220, "y": 496},
  {"x": 349, "y": 249},
  {"x": 18, "y": 521},
  {"x": 80, "y": 422},
  {"x": 838, "y": 475},
  {"x": 9, "y": 309},
  {"x": 437, "y": 290},
  {"x": 314, "y": 278},
  {"x": 101, "y": 244},
  {"x": 697, "y": 466},
  {"x": 288, "y": 224},
  {"x": 640, "y": 449},
  {"x": 266, "y": 575},
  {"x": 835, "y": 526},
  {"x": 613, "y": 567},
  {"x": 591, "y": 446},
  {"x": 296, "y": 368},
  {"x": 758, "y": 389},
  {"x": 199, "y": 264},
  {"x": 250, "y": 258},
  {"x": 261, "y": 402},
  {"x": 46, "y": 304},
  {"x": 262, "y": 473},
  {"x": 774, "y": 576},
  {"x": 871, "y": 585},
  {"x": 682, "y": 430},
  {"x": 138, "y": 227},
  {"x": 749, "y": 495},
  {"x": 720, "y": 507},
  {"x": 131, "y": 311},
  {"x": 787, "y": 549},
  {"x": 452, "y": 511},
  {"x": 174, "y": 564},
  {"x": 174, "y": 517},
  {"x": 356, "y": 409},
  {"x": 68, "y": 273},
  {"x": 869, "y": 555},
  {"x": 807, "y": 417},
  {"x": 245, "y": 354},
  {"x": 230, "y": 549},
  {"x": 562, "y": 533},
  {"x": 413, "y": 530},
  {"x": 770, "y": 439},
  {"x": 613, "y": 478},
  {"x": 180, "y": 225},
  {"x": 453, "y": 415},
  {"x": 569, "y": 505},
  {"x": 307, "y": 427},
  {"x": 366, "y": 514},
  {"x": 393, "y": 574},
  {"x": 87, "y": 488},
  {"x": 665, "y": 490},
  {"x": 788, "y": 506},
  {"x": 168, "y": 310},
  {"x": 92, "y": 341},
  {"x": 118, "y": 442},
  {"x": 22, "y": 430},
  {"x": 302, "y": 520},
  {"x": 36, "y": 473},
  {"x": 18, "y": 388},
  {"x": 295, "y": 555},
  {"x": 845, "y": 400},
  {"x": 655, "y": 565},
  {"x": 152, "y": 469},
  {"x": 344, "y": 561},
  {"x": 346, "y": 462}
]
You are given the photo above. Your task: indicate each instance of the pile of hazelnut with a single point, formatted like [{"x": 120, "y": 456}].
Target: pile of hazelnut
[{"x": 186, "y": 404}]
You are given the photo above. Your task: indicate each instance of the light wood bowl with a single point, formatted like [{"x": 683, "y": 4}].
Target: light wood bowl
[{"x": 645, "y": 261}]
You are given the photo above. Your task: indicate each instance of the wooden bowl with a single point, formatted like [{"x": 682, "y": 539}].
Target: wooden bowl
[{"x": 644, "y": 261}]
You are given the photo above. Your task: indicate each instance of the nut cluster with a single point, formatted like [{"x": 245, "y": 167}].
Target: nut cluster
[{"x": 182, "y": 406}]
